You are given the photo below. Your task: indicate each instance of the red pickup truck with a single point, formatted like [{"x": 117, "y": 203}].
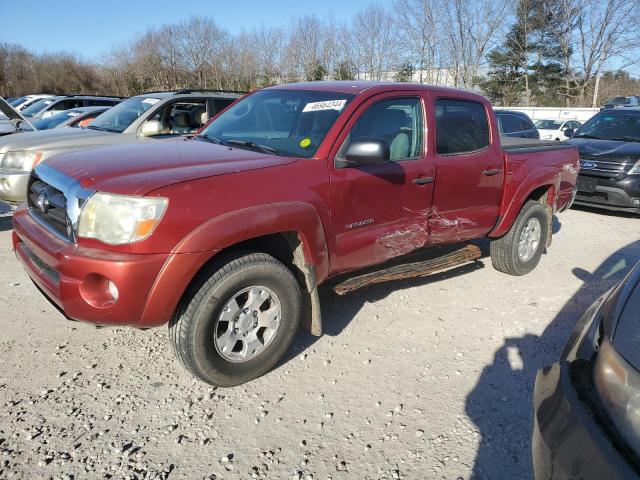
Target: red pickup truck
[{"x": 226, "y": 236}]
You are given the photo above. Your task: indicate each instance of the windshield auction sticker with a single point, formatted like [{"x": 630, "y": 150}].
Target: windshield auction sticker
[
  {"x": 152, "y": 101},
  {"x": 326, "y": 105}
]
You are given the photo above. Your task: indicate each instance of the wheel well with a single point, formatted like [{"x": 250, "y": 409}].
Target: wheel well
[
  {"x": 544, "y": 196},
  {"x": 286, "y": 247},
  {"x": 540, "y": 194}
]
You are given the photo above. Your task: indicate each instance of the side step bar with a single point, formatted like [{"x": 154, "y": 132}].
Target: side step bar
[{"x": 460, "y": 256}]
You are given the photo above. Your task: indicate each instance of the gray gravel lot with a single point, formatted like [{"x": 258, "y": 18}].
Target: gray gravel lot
[{"x": 428, "y": 378}]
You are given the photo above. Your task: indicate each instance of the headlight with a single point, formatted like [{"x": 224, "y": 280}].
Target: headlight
[
  {"x": 618, "y": 386},
  {"x": 24, "y": 160},
  {"x": 635, "y": 170},
  {"x": 116, "y": 219}
]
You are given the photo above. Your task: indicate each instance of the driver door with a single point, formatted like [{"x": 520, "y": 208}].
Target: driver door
[{"x": 380, "y": 211}]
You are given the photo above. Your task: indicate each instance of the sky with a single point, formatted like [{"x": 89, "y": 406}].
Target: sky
[{"x": 91, "y": 28}]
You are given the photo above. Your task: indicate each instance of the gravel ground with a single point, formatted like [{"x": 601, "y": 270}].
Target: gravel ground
[{"x": 428, "y": 378}]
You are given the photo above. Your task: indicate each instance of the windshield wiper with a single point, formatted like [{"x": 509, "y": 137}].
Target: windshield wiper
[
  {"x": 586, "y": 135},
  {"x": 255, "y": 146},
  {"x": 206, "y": 138},
  {"x": 625, "y": 139}
]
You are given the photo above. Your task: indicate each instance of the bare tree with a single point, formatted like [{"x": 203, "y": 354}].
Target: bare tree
[
  {"x": 421, "y": 36},
  {"x": 472, "y": 26},
  {"x": 376, "y": 42},
  {"x": 606, "y": 34}
]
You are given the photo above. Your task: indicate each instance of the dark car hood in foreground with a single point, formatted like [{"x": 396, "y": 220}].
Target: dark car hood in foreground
[
  {"x": 607, "y": 149},
  {"x": 139, "y": 169},
  {"x": 622, "y": 318}
]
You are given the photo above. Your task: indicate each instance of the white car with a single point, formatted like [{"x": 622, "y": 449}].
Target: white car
[
  {"x": 555, "y": 129},
  {"x": 24, "y": 102}
]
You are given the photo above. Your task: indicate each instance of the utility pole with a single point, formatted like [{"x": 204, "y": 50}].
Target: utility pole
[{"x": 596, "y": 87}]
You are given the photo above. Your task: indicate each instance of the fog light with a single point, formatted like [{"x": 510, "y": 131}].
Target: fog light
[
  {"x": 635, "y": 202},
  {"x": 4, "y": 185},
  {"x": 113, "y": 290}
]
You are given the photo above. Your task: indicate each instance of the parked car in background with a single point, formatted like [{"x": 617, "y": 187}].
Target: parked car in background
[
  {"x": 226, "y": 236},
  {"x": 586, "y": 406},
  {"x": 76, "y": 117},
  {"x": 149, "y": 116},
  {"x": 609, "y": 146},
  {"x": 46, "y": 107},
  {"x": 23, "y": 102},
  {"x": 555, "y": 129},
  {"x": 620, "y": 102},
  {"x": 516, "y": 124}
]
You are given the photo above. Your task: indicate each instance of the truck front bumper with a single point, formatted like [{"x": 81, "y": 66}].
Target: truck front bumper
[
  {"x": 13, "y": 185},
  {"x": 77, "y": 279}
]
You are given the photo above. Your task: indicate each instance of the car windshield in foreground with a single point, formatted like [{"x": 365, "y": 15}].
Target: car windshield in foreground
[
  {"x": 55, "y": 120},
  {"x": 118, "y": 118},
  {"x": 548, "y": 124},
  {"x": 36, "y": 107},
  {"x": 623, "y": 125},
  {"x": 289, "y": 123}
]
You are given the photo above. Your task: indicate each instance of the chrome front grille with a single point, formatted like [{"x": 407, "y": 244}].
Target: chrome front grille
[
  {"x": 55, "y": 201},
  {"x": 49, "y": 205}
]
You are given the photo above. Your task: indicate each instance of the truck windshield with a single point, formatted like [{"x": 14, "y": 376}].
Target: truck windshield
[
  {"x": 118, "y": 118},
  {"x": 290, "y": 123},
  {"x": 612, "y": 125}
]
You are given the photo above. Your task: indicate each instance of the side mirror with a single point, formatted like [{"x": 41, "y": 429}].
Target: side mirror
[
  {"x": 568, "y": 132},
  {"x": 365, "y": 151},
  {"x": 151, "y": 128}
]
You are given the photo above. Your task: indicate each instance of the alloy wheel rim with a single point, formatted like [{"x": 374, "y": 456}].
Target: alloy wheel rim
[
  {"x": 529, "y": 239},
  {"x": 247, "y": 324}
]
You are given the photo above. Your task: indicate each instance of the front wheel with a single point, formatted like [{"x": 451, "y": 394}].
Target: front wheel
[
  {"x": 238, "y": 320},
  {"x": 519, "y": 251}
]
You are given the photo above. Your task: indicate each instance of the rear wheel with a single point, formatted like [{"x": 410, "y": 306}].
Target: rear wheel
[
  {"x": 238, "y": 320},
  {"x": 519, "y": 251}
]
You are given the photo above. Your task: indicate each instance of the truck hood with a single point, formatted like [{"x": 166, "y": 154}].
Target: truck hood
[
  {"x": 54, "y": 139},
  {"x": 138, "y": 169},
  {"x": 607, "y": 149}
]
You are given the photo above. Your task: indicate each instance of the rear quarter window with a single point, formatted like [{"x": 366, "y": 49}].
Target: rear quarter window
[{"x": 461, "y": 126}]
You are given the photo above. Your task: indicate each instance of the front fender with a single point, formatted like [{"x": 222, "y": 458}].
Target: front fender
[
  {"x": 234, "y": 227},
  {"x": 226, "y": 230}
]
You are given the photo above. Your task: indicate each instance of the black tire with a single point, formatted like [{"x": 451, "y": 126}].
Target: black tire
[
  {"x": 504, "y": 250},
  {"x": 192, "y": 329}
]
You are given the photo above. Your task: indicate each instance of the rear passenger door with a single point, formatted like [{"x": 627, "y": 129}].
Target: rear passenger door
[{"x": 469, "y": 170}]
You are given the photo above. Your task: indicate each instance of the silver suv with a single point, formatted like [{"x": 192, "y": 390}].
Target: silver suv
[{"x": 148, "y": 116}]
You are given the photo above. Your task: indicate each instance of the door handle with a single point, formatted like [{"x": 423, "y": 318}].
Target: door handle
[
  {"x": 493, "y": 171},
  {"x": 423, "y": 180}
]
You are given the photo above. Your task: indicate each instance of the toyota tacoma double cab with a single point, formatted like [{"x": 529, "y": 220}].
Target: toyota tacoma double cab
[{"x": 226, "y": 236}]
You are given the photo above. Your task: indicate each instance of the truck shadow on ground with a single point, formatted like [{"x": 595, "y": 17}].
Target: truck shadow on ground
[{"x": 500, "y": 404}]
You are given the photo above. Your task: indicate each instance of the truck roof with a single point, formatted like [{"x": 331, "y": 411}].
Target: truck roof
[{"x": 359, "y": 86}]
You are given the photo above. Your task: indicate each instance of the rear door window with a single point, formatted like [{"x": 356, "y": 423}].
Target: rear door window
[{"x": 461, "y": 126}]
